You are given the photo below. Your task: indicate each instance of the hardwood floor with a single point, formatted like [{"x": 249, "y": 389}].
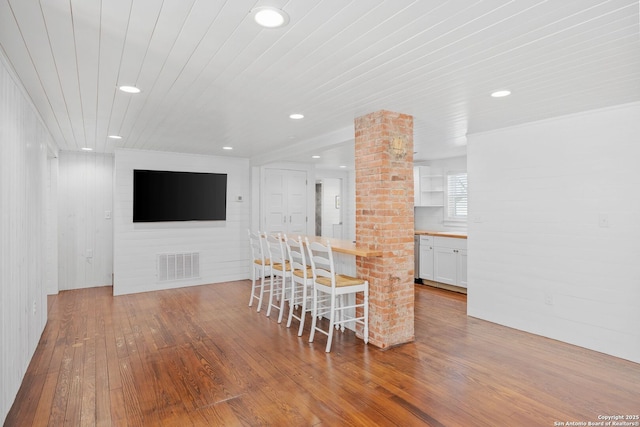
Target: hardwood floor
[{"x": 199, "y": 356}]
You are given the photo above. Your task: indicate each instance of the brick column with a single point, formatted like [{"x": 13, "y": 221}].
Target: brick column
[{"x": 384, "y": 220}]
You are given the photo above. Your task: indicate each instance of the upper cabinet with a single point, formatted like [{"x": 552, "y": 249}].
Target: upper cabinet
[{"x": 428, "y": 186}]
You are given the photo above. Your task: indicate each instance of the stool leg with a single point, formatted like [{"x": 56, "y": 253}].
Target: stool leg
[
  {"x": 292, "y": 302},
  {"x": 262, "y": 274},
  {"x": 332, "y": 315},
  {"x": 283, "y": 297},
  {"x": 303, "y": 309},
  {"x": 365, "y": 332},
  {"x": 314, "y": 314},
  {"x": 271, "y": 292},
  {"x": 253, "y": 285}
]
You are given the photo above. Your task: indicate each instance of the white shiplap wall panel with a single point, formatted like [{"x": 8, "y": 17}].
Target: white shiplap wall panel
[
  {"x": 52, "y": 226},
  {"x": 85, "y": 192},
  {"x": 223, "y": 245},
  {"x": 23, "y": 175},
  {"x": 538, "y": 259}
]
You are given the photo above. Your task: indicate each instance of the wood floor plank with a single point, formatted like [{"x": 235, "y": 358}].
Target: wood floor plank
[
  {"x": 130, "y": 394},
  {"x": 117, "y": 410},
  {"x": 62, "y": 386},
  {"x": 102, "y": 386},
  {"x": 199, "y": 356}
]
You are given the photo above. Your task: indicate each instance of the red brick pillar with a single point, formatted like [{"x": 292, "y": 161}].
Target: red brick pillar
[{"x": 384, "y": 220}]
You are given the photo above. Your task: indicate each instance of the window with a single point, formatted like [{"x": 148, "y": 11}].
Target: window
[{"x": 456, "y": 196}]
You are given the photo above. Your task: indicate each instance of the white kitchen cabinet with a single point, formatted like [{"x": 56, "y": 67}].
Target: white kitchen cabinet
[
  {"x": 428, "y": 187},
  {"x": 450, "y": 261},
  {"x": 462, "y": 268},
  {"x": 426, "y": 257}
]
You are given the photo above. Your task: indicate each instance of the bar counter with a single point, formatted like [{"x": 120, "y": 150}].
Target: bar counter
[{"x": 346, "y": 246}]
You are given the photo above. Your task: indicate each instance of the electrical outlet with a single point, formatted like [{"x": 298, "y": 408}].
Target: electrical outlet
[
  {"x": 107, "y": 214},
  {"x": 89, "y": 253},
  {"x": 548, "y": 299},
  {"x": 33, "y": 309}
]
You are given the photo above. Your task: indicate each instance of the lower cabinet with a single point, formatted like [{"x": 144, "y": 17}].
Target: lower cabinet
[
  {"x": 450, "y": 261},
  {"x": 462, "y": 268},
  {"x": 426, "y": 257}
]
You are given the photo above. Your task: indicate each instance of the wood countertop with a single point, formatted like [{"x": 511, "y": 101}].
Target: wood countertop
[
  {"x": 347, "y": 246},
  {"x": 454, "y": 234}
]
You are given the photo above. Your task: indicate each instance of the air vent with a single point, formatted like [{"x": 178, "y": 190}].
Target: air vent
[{"x": 178, "y": 266}]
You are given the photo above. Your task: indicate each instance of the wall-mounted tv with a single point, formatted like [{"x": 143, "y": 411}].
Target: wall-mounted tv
[{"x": 179, "y": 196}]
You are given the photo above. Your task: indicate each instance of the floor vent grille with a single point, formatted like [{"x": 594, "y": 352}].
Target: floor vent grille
[{"x": 178, "y": 266}]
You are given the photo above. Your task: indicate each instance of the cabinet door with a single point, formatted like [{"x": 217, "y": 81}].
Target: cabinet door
[
  {"x": 462, "y": 268},
  {"x": 445, "y": 265},
  {"x": 426, "y": 262}
]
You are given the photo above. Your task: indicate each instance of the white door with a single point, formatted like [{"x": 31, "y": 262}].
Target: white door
[
  {"x": 445, "y": 265},
  {"x": 297, "y": 202},
  {"x": 285, "y": 201},
  {"x": 275, "y": 201}
]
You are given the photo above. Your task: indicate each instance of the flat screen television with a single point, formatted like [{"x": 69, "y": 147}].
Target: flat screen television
[{"x": 179, "y": 196}]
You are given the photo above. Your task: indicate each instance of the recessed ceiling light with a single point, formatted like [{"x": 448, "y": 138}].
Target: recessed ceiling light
[
  {"x": 342, "y": 166},
  {"x": 270, "y": 17},
  {"x": 87, "y": 149},
  {"x": 115, "y": 137},
  {"x": 501, "y": 93},
  {"x": 296, "y": 116},
  {"x": 315, "y": 157},
  {"x": 129, "y": 89},
  {"x": 227, "y": 148}
]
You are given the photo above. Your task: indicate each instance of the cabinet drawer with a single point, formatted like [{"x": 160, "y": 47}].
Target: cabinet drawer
[
  {"x": 450, "y": 242},
  {"x": 426, "y": 240}
]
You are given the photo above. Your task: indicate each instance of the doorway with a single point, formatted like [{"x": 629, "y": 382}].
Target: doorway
[{"x": 329, "y": 208}]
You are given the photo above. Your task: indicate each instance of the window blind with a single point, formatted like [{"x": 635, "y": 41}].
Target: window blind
[{"x": 457, "y": 196}]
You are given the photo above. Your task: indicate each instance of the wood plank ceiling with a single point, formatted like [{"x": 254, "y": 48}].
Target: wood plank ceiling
[{"x": 210, "y": 77}]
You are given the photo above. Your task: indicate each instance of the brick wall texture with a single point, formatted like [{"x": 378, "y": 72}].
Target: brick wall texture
[{"x": 384, "y": 220}]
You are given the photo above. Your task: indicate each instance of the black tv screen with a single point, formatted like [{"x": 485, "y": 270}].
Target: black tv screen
[{"x": 179, "y": 196}]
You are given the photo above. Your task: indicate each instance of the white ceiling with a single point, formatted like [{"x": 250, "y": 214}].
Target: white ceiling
[{"x": 210, "y": 77}]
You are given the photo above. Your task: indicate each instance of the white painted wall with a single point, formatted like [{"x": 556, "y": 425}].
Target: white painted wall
[
  {"x": 85, "y": 194},
  {"x": 538, "y": 259},
  {"x": 432, "y": 218},
  {"x": 223, "y": 246},
  {"x": 23, "y": 205}
]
